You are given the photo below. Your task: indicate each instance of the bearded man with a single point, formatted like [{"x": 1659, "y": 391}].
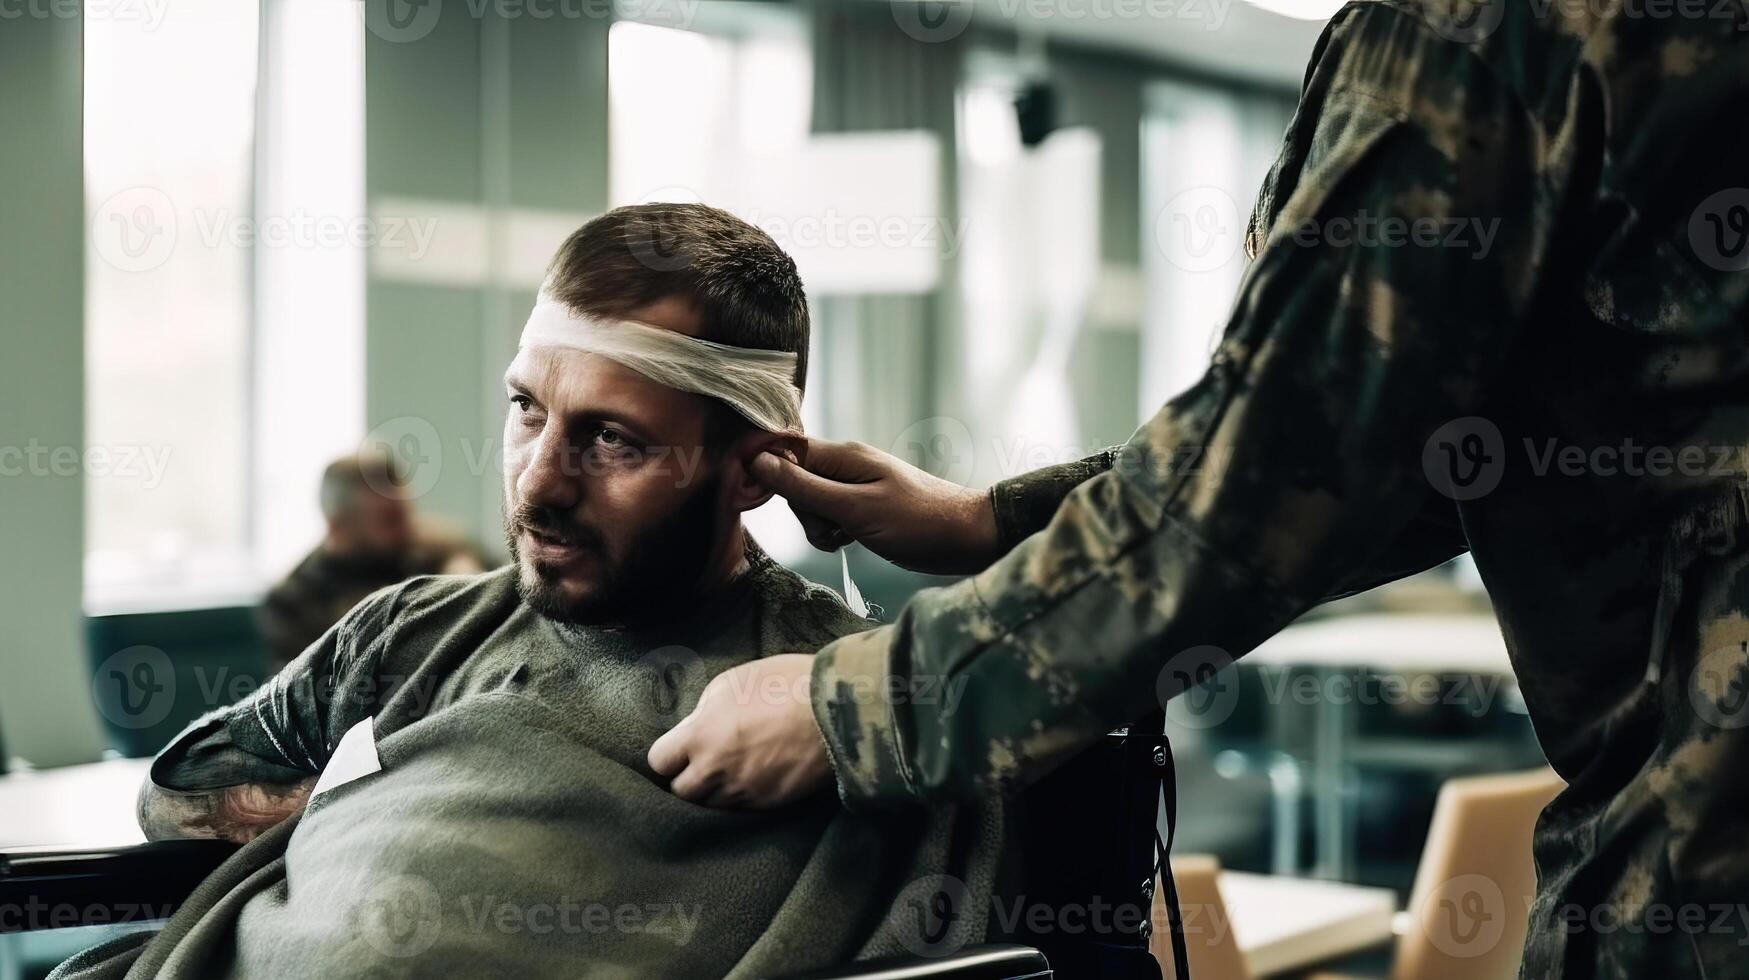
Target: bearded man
[{"x": 454, "y": 779}]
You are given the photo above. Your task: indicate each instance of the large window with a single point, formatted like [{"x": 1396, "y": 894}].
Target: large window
[
  {"x": 1205, "y": 152},
  {"x": 692, "y": 116},
  {"x": 690, "y": 110},
  {"x": 224, "y": 289},
  {"x": 169, "y": 135}
]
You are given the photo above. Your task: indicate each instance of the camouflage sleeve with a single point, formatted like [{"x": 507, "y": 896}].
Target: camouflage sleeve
[
  {"x": 1024, "y": 504},
  {"x": 1290, "y": 467}
]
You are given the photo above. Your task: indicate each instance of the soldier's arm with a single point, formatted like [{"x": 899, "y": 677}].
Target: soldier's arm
[
  {"x": 1024, "y": 506},
  {"x": 1292, "y": 463}
]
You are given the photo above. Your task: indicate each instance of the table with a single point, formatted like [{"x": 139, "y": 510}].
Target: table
[
  {"x": 1392, "y": 644},
  {"x": 1282, "y": 924},
  {"x": 81, "y": 806}
]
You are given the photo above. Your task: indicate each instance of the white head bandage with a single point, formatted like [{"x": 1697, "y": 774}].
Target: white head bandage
[{"x": 759, "y": 384}]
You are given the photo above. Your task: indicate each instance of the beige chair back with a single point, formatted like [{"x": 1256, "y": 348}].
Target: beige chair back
[
  {"x": 1208, "y": 935},
  {"x": 1468, "y": 911},
  {"x": 1470, "y": 905}
]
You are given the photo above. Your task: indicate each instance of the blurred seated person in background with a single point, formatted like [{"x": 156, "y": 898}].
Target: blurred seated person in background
[
  {"x": 373, "y": 539},
  {"x": 454, "y": 781}
]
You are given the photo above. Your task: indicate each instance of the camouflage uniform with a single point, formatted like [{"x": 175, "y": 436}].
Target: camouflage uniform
[{"x": 1374, "y": 410}]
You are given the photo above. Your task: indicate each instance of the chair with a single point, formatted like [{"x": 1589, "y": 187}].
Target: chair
[
  {"x": 1213, "y": 953},
  {"x": 1470, "y": 907},
  {"x": 1468, "y": 912},
  {"x": 1086, "y": 837},
  {"x": 154, "y": 672}
]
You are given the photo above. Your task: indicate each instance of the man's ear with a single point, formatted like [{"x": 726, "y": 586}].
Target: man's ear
[{"x": 746, "y": 493}]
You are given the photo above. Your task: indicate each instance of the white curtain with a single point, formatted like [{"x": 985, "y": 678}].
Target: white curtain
[
  {"x": 878, "y": 365},
  {"x": 1205, "y": 153}
]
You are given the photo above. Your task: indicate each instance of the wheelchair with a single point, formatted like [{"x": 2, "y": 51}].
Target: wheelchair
[{"x": 1086, "y": 836}]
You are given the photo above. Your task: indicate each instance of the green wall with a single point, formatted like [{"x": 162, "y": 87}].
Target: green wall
[
  {"x": 46, "y": 715},
  {"x": 482, "y": 114}
]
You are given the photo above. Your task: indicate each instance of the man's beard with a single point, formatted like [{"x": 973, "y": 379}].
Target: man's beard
[{"x": 661, "y": 570}]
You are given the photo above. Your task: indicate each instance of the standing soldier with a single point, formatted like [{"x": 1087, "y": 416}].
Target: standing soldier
[{"x": 1540, "y": 355}]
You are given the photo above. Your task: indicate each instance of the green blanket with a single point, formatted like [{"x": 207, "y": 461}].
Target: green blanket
[{"x": 514, "y": 829}]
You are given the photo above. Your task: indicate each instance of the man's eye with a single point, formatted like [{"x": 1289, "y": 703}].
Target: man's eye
[
  {"x": 526, "y": 413},
  {"x": 614, "y": 444}
]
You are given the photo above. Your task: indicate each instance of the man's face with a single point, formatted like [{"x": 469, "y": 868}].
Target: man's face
[
  {"x": 383, "y": 523},
  {"x": 612, "y": 503},
  {"x": 374, "y": 525}
]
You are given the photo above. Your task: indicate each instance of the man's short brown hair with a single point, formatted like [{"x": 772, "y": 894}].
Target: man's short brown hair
[{"x": 743, "y": 285}]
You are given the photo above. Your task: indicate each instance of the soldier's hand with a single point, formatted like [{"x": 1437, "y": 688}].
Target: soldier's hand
[
  {"x": 751, "y": 741},
  {"x": 847, "y": 491}
]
